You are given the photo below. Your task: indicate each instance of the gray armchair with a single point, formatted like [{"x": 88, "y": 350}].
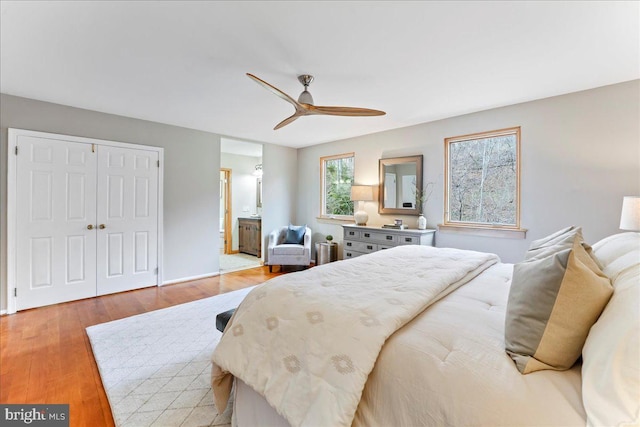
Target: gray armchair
[{"x": 280, "y": 253}]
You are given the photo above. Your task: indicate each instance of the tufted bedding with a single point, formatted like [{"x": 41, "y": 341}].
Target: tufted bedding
[{"x": 447, "y": 365}]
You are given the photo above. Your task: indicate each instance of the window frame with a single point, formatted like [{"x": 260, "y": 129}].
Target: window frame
[
  {"x": 503, "y": 230},
  {"x": 323, "y": 196}
]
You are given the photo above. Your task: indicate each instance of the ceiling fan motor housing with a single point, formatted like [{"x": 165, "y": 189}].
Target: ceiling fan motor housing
[{"x": 305, "y": 97}]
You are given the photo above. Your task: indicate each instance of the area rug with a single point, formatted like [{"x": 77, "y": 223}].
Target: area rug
[
  {"x": 156, "y": 367},
  {"x": 235, "y": 262}
]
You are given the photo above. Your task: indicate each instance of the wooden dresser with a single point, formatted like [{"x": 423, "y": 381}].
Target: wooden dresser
[
  {"x": 250, "y": 236},
  {"x": 359, "y": 240}
]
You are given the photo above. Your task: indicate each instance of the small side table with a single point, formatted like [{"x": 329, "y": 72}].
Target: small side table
[{"x": 326, "y": 252}]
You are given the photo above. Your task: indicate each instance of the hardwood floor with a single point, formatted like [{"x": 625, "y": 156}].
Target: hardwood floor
[{"x": 46, "y": 357}]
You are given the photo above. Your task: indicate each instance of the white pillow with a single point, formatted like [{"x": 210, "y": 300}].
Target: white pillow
[{"x": 611, "y": 354}]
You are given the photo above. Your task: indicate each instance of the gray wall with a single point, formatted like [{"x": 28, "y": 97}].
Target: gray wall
[
  {"x": 580, "y": 155},
  {"x": 191, "y": 190},
  {"x": 279, "y": 189}
]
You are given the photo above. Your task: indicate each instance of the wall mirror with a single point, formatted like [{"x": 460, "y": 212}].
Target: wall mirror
[
  {"x": 259, "y": 192},
  {"x": 400, "y": 180}
]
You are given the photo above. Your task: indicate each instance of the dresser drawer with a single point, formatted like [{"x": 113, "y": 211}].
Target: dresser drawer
[
  {"x": 360, "y": 246},
  {"x": 352, "y": 234},
  {"x": 408, "y": 240},
  {"x": 351, "y": 254},
  {"x": 379, "y": 237}
]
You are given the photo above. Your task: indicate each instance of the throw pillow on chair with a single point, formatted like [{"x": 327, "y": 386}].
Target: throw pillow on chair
[{"x": 295, "y": 234}]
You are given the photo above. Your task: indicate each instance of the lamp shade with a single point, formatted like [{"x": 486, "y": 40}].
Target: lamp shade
[
  {"x": 630, "y": 218},
  {"x": 362, "y": 193}
]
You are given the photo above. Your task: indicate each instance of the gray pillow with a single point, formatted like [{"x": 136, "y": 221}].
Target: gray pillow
[
  {"x": 553, "y": 302},
  {"x": 295, "y": 234}
]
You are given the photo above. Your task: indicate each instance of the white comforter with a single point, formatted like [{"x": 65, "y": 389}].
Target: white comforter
[
  {"x": 448, "y": 367},
  {"x": 308, "y": 341}
]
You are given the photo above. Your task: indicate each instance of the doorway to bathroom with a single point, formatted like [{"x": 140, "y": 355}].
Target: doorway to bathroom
[{"x": 241, "y": 234}]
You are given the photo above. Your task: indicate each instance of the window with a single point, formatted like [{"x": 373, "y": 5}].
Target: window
[
  {"x": 482, "y": 180},
  {"x": 336, "y": 178}
]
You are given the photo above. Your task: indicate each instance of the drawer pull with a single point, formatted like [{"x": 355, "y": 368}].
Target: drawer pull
[
  {"x": 367, "y": 235},
  {"x": 389, "y": 237},
  {"x": 369, "y": 247},
  {"x": 407, "y": 239},
  {"x": 351, "y": 233},
  {"x": 349, "y": 244},
  {"x": 349, "y": 254}
]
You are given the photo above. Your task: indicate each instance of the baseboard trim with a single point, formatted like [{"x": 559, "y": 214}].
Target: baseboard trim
[
  {"x": 3, "y": 312},
  {"x": 188, "y": 279}
]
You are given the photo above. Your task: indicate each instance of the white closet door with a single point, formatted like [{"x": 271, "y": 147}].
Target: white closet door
[
  {"x": 55, "y": 203},
  {"x": 128, "y": 211}
]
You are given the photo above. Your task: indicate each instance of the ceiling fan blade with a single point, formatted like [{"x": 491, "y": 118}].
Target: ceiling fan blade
[
  {"x": 287, "y": 121},
  {"x": 343, "y": 111},
  {"x": 275, "y": 90}
]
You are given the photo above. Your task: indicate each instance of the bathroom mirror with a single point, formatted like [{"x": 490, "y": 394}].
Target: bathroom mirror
[
  {"x": 259, "y": 192},
  {"x": 400, "y": 180}
]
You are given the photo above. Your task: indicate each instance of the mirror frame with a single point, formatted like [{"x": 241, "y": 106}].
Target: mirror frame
[{"x": 396, "y": 161}]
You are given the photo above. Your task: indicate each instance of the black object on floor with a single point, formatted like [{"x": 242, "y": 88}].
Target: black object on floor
[{"x": 223, "y": 318}]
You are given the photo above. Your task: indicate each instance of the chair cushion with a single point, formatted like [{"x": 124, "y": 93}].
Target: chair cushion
[
  {"x": 288, "y": 249},
  {"x": 295, "y": 234}
]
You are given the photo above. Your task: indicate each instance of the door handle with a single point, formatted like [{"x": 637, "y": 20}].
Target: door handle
[
  {"x": 90, "y": 227},
  {"x": 102, "y": 226}
]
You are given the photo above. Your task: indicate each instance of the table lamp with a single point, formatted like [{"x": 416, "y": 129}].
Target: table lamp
[
  {"x": 630, "y": 218},
  {"x": 361, "y": 194}
]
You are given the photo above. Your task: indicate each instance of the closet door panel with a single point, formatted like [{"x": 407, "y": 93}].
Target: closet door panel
[
  {"x": 55, "y": 205},
  {"x": 128, "y": 211}
]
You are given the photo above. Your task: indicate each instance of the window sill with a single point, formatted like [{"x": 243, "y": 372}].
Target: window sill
[
  {"x": 335, "y": 219},
  {"x": 509, "y": 233}
]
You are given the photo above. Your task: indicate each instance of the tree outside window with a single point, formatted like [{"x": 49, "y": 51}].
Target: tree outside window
[
  {"x": 336, "y": 181},
  {"x": 483, "y": 175}
]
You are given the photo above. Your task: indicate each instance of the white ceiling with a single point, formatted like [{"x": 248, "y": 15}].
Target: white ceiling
[{"x": 184, "y": 63}]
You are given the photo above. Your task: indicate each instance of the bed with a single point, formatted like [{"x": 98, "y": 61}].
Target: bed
[{"x": 442, "y": 363}]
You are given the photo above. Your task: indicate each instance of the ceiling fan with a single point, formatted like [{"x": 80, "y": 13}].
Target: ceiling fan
[{"x": 304, "y": 105}]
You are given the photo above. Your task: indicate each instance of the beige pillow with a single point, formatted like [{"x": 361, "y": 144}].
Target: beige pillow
[{"x": 553, "y": 302}]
